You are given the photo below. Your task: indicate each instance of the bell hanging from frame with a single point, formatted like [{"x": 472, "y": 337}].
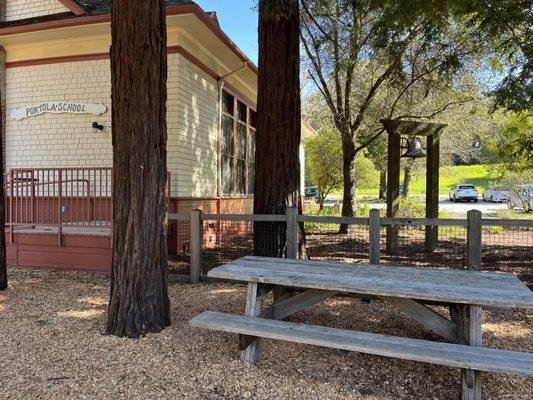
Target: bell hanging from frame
[{"x": 414, "y": 148}]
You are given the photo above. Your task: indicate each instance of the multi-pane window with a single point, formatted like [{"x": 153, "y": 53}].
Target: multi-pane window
[
  {"x": 251, "y": 152},
  {"x": 238, "y": 146}
]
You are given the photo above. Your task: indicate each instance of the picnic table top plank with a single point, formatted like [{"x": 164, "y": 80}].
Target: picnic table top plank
[{"x": 452, "y": 286}]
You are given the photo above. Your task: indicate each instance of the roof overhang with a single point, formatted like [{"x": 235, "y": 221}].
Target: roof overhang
[
  {"x": 189, "y": 27},
  {"x": 73, "y": 6},
  {"x": 405, "y": 127}
]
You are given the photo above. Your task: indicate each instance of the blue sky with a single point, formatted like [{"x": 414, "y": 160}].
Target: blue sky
[{"x": 239, "y": 20}]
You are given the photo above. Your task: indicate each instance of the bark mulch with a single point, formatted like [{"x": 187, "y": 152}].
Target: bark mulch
[{"x": 52, "y": 347}]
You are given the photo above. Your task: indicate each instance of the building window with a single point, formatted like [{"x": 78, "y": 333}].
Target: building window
[
  {"x": 238, "y": 146},
  {"x": 251, "y": 152}
]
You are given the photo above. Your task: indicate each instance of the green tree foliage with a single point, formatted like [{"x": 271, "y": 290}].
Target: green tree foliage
[
  {"x": 324, "y": 163},
  {"x": 355, "y": 55},
  {"x": 502, "y": 27},
  {"x": 514, "y": 143},
  {"x": 325, "y": 169},
  {"x": 506, "y": 27}
]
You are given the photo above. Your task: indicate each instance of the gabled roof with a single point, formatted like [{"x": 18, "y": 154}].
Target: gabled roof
[{"x": 96, "y": 7}]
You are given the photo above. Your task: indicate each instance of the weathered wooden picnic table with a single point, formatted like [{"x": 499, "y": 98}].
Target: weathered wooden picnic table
[{"x": 300, "y": 284}]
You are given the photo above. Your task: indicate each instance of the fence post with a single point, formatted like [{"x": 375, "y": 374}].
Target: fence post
[
  {"x": 196, "y": 246},
  {"x": 292, "y": 232},
  {"x": 374, "y": 237},
  {"x": 471, "y": 316},
  {"x": 474, "y": 240}
]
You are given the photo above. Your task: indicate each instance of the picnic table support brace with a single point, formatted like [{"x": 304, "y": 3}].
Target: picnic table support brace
[
  {"x": 471, "y": 319},
  {"x": 250, "y": 345},
  {"x": 425, "y": 316},
  {"x": 288, "y": 304}
]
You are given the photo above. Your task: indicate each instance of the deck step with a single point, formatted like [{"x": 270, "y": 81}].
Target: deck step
[{"x": 451, "y": 355}]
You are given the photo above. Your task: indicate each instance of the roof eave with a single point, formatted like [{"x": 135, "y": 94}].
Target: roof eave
[
  {"x": 102, "y": 18},
  {"x": 73, "y": 6}
]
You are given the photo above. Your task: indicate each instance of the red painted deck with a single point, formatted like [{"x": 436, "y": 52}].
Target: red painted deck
[
  {"x": 79, "y": 200},
  {"x": 81, "y": 249}
]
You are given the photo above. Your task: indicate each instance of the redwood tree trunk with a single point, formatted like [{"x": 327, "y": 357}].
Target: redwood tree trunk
[
  {"x": 3, "y": 263},
  {"x": 139, "y": 301},
  {"x": 348, "y": 198},
  {"x": 277, "y": 164}
]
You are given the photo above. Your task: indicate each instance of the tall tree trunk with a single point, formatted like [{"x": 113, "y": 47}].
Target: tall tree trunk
[
  {"x": 139, "y": 301},
  {"x": 407, "y": 174},
  {"x": 277, "y": 162},
  {"x": 3, "y": 261},
  {"x": 348, "y": 169},
  {"x": 383, "y": 184},
  {"x": 321, "y": 199}
]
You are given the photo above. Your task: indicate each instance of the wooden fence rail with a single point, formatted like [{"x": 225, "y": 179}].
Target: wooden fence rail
[{"x": 474, "y": 224}]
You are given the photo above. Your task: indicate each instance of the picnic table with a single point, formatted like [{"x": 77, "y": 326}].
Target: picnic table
[{"x": 299, "y": 284}]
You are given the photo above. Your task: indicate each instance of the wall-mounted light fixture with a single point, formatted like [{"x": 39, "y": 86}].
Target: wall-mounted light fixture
[{"x": 96, "y": 125}]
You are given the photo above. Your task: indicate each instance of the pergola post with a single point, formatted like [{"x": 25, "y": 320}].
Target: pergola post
[
  {"x": 393, "y": 190},
  {"x": 432, "y": 189},
  {"x": 396, "y": 129}
]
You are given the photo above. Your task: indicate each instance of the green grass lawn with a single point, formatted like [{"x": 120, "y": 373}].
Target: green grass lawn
[{"x": 478, "y": 175}]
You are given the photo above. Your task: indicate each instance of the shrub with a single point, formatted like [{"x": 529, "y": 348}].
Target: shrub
[{"x": 412, "y": 208}]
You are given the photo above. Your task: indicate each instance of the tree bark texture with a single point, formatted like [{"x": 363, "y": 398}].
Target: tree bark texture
[
  {"x": 139, "y": 301},
  {"x": 407, "y": 175},
  {"x": 348, "y": 198},
  {"x": 383, "y": 184},
  {"x": 277, "y": 165},
  {"x": 3, "y": 255}
]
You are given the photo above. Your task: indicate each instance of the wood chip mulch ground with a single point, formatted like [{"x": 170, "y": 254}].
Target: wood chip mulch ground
[{"x": 52, "y": 347}]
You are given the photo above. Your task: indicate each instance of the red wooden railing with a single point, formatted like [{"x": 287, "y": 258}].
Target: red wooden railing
[
  {"x": 59, "y": 197},
  {"x": 75, "y": 197}
]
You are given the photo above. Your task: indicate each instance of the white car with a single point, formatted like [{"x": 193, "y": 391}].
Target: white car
[
  {"x": 495, "y": 194},
  {"x": 464, "y": 192}
]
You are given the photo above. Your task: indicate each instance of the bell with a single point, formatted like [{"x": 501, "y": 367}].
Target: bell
[{"x": 414, "y": 148}]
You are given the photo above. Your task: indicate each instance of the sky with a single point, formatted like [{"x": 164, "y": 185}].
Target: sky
[{"x": 238, "y": 19}]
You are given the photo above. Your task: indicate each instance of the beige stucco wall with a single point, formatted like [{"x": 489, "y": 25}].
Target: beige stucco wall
[
  {"x": 68, "y": 140},
  {"x": 21, "y": 9}
]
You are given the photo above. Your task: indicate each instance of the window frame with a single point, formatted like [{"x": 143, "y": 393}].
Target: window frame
[{"x": 237, "y": 108}]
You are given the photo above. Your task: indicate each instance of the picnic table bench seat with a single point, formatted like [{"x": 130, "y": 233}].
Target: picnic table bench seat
[
  {"x": 447, "y": 354},
  {"x": 303, "y": 283}
]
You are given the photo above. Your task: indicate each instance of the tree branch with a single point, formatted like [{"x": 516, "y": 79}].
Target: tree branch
[
  {"x": 369, "y": 141},
  {"x": 373, "y": 90},
  {"x": 436, "y": 112}
]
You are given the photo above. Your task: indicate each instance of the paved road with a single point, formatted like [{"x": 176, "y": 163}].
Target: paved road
[
  {"x": 462, "y": 208},
  {"x": 459, "y": 208}
]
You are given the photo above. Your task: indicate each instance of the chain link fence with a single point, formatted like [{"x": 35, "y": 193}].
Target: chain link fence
[
  {"x": 451, "y": 250},
  {"x": 179, "y": 245},
  {"x": 508, "y": 249},
  {"x": 225, "y": 241}
]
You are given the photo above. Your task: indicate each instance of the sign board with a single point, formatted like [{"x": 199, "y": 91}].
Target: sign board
[{"x": 57, "y": 107}]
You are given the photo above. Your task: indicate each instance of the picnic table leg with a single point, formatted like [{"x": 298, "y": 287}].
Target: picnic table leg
[
  {"x": 471, "y": 317},
  {"x": 253, "y": 309}
]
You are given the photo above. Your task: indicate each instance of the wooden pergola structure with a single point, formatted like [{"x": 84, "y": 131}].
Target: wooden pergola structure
[{"x": 396, "y": 129}]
